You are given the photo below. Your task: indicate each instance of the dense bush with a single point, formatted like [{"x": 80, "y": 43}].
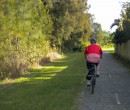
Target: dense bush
[
  {"x": 23, "y": 38},
  {"x": 122, "y": 33}
]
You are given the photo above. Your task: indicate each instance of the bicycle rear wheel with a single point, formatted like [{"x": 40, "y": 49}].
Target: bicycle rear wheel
[{"x": 93, "y": 83}]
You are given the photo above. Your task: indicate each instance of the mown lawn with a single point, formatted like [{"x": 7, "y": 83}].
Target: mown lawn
[{"x": 54, "y": 87}]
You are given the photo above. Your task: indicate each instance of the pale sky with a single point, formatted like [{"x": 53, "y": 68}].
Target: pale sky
[{"x": 105, "y": 11}]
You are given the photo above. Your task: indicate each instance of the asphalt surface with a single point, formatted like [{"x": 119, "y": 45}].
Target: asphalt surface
[{"x": 112, "y": 91}]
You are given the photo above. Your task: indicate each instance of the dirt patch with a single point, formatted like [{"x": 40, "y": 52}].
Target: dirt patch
[{"x": 54, "y": 56}]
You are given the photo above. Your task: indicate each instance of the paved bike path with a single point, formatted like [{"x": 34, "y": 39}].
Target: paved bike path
[{"x": 112, "y": 91}]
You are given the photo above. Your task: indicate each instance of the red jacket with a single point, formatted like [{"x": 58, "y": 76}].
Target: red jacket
[
  {"x": 93, "y": 48},
  {"x": 93, "y": 53}
]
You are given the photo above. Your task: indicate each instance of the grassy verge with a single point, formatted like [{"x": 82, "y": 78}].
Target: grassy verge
[
  {"x": 123, "y": 61},
  {"x": 111, "y": 48},
  {"x": 54, "y": 87}
]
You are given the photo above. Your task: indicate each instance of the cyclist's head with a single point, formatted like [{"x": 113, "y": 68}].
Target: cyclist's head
[{"x": 92, "y": 40}]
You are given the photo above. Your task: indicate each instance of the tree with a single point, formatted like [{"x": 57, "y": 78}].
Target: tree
[
  {"x": 24, "y": 28},
  {"x": 97, "y": 32},
  {"x": 122, "y": 33},
  {"x": 71, "y": 22}
]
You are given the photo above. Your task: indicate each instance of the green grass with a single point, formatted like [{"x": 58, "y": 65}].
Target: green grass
[
  {"x": 108, "y": 48},
  {"x": 54, "y": 87},
  {"x": 112, "y": 51},
  {"x": 123, "y": 61}
]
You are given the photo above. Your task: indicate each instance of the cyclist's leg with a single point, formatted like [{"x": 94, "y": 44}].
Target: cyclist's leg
[
  {"x": 89, "y": 66},
  {"x": 89, "y": 75},
  {"x": 97, "y": 69}
]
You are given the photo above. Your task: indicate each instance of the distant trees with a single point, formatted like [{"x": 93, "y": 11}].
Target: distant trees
[
  {"x": 97, "y": 32},
  {"x": 103, "y": 37},
  {"x": 107, "y": 39},
  {"x": 122, "y": 33}
]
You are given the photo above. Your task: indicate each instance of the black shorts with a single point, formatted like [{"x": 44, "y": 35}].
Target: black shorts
[
  {"x": 89, "y": 64},
  {"x": 90, "y": 70}
]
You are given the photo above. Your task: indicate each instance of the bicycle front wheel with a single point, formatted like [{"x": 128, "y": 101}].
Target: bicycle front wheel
[{"x": 93, "y": 84}]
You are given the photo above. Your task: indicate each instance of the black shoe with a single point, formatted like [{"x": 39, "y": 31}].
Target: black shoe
[{"x": 97, "y": 75}]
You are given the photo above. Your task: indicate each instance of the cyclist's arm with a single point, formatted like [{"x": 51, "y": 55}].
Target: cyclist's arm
[
  {"x": 101, "y": 53},
  {"x": 85, "y": 52}
]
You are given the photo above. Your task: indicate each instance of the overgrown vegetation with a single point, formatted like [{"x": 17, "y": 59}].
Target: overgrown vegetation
[
  {"x": 122, "y": 33},
  {"x": 23, "y": 28},
  {"x": 30, "y": 29}
]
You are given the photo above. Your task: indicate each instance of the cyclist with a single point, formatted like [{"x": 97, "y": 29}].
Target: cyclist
[{"x": 93, "y": 54}]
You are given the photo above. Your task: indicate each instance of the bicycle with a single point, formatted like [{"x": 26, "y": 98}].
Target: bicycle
[{"x": 93, "y": 78}]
